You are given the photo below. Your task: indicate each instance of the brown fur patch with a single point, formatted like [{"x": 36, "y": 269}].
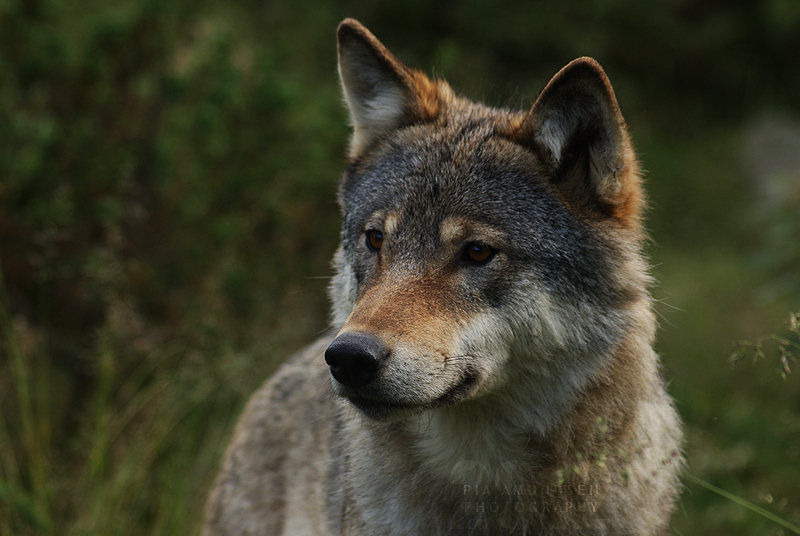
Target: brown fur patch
[{"x": 418, "y": 311}]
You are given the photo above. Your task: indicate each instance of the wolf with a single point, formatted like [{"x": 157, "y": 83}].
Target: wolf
[{"x": 491, "y": 367}]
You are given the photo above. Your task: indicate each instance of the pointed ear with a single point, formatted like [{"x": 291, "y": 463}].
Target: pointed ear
[
  {"x": 381, "y": 92},
  {"x": 577, "y": 128}
]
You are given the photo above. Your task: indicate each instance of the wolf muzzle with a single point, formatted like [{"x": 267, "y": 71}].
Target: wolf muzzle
[{"x": 355, "y": 359}]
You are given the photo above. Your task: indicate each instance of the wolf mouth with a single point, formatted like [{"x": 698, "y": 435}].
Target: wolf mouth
[
  {"x": 380, "y": 409},
  {"x": 458, "y": 392}
]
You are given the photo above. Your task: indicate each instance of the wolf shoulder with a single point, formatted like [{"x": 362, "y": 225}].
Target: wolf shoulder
[{"x": 274, "y": 473}]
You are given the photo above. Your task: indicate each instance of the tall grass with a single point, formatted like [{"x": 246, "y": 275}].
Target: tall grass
[
  {"x": 24, "y": 483},
  {"x": 138, "y": 460}
]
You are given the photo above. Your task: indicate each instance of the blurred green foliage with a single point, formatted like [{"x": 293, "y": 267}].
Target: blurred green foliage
[{"x": 167, "y": 215}]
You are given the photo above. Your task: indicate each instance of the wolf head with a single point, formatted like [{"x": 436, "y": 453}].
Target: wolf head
[{"x": 480, "y": 246}]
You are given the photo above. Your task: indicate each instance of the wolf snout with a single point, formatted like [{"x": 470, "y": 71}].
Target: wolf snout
[{"x": 355, "y": 359}]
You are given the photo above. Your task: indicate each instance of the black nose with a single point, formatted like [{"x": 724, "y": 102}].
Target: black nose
[{"x": 355, "y": 358}]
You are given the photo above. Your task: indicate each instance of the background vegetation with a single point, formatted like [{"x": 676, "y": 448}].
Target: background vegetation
[{"x": 167, "y": 215}]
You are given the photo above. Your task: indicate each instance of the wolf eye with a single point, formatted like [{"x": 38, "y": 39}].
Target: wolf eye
[
  {"x": 374, "y": 240},
  {"x": 477, "y": 253}
]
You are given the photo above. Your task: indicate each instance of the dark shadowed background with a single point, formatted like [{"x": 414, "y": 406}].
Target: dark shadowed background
[{"x": 167, "y": 215}]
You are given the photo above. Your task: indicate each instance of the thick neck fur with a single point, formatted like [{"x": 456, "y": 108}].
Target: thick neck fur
[{"x": 462, "y": 460}]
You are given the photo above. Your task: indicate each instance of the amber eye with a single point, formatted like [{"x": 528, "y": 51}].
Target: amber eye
[
  {"x": 477, "y": 253},
  {"x": 374, "y": 239}
]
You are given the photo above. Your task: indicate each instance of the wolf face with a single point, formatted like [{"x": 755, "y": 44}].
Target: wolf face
[{"x": 479, "y": 246}]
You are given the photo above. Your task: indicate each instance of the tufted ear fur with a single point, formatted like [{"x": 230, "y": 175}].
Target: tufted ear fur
[
  {"x": 381, "y": 92},
  {"x": 576, "y": 127}
]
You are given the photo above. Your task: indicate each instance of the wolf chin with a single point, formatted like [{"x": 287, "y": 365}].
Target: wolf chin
[{"x": 492, "y": 370}]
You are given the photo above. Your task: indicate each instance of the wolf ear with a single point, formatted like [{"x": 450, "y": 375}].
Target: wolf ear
[
  {"x": 381, "y": 92},
  {"x": 577, "y": 128}
]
